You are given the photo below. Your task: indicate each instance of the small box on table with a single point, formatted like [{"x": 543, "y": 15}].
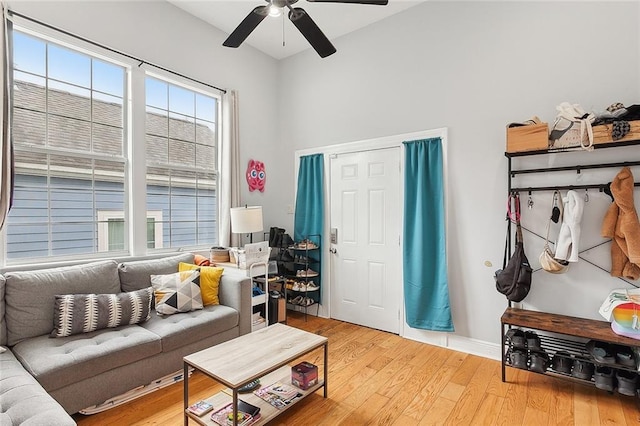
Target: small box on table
[{"x": 304, "y": 375}]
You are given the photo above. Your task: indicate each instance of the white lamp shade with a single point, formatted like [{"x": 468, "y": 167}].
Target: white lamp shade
[{"x": 245, "y": 220}]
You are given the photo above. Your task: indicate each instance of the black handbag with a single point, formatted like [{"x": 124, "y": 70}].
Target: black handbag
[{"x": 514, "y": 279}]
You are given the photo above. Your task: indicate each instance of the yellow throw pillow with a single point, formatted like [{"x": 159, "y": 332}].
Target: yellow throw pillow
[{"x": 209, "y": 281}]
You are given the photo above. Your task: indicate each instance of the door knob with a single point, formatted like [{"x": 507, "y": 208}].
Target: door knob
[{"x": 332, "y": 250}]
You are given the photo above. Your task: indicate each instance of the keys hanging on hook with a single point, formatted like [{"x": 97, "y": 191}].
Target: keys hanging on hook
[
  {"x": 586, "y": 195},
  {"x": 530, "y": 202},
  {"x": 555, "y": 211}
]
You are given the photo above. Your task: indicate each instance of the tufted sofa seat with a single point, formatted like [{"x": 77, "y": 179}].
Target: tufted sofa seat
[
  {"x": 23, "y": 400},
  {"x": 59, "y": 362},
  {"x": 71, "y": 373}
]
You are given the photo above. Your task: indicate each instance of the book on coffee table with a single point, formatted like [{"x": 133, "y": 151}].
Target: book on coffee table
[
  {"x": 247, "y": 414},
  {"x": 278, "y": 394}
]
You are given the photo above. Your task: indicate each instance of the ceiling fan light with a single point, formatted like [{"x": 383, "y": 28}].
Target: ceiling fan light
[{"x": 275, "y": 11}]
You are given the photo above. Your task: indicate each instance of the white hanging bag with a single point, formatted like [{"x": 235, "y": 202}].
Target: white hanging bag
[{"x": 572, "y": 128}]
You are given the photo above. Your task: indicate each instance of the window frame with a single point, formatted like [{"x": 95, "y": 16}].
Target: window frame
[
  {"x": 103, "y": 227},
  {"x": 197, "y": 88},
  {"x": 134, "y": 115}
]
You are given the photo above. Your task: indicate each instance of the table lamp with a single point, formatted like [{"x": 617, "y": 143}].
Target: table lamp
[{"x": 246, "y": 220}]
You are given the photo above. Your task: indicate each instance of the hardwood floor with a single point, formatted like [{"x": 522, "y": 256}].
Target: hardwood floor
[{"x": 380, "y": 378}]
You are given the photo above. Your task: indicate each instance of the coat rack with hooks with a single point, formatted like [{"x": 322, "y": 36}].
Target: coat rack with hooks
[
  {"x": 578, "y": 168},
  {"x": 566, "y": 328}
]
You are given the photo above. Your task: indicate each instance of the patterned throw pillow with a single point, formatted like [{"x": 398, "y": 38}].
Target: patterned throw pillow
[
  {"x": 177, "y": 292},
  {"x": 82, "y": 313},
  {"x": 209, "y": 281}
]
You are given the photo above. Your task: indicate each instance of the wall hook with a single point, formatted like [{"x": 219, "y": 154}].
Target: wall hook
[
  {"x": 530, "y": 202},
  {"x": 586, "y": 195}
]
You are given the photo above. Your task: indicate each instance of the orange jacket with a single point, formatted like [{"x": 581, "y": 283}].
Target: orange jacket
[{"x": 622, "y": 225}]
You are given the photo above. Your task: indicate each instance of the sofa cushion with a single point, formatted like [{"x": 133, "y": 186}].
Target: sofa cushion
[
  {"x": 177, "y": 292},
  {"x": 30, "y": 295},
  {"x": 23, "y": 401},
  {"x": 56, "y": 363},
  {"x": 189, "y": 327},
  {"x": 82, "y": 313},
  {"x": 209, "y": 281},
  {"x": 137, "y": 274},
  {"x": 3, "y": 322}
]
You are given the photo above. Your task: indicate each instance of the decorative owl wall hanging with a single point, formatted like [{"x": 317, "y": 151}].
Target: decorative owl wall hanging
[{"x": 256, "y": 175}]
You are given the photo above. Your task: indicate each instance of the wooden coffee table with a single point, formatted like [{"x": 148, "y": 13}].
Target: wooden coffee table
[{"x": 263, "y": 354}]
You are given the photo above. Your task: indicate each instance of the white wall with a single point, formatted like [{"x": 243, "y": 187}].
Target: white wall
[
  {"x": 161, "y": 33},
  {"x": 474, "y": 67}
]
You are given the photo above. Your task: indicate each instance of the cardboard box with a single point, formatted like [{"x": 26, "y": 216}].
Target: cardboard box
[
  {"x": 533, "y": 137},
  {"x": 602, "y": 133},
  {"x": 304, "y": 375}
]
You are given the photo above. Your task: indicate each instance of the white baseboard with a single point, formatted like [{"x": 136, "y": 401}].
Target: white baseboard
[
  {"x": 456, "y": 343},
  {"x": 443, "y": 340}
]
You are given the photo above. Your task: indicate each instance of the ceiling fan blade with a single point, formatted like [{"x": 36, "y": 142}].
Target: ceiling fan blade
[
  {"x": 311, "y": 32},
  {"x": 374, "y": 2},
  {"x": 247, "y": 25}
]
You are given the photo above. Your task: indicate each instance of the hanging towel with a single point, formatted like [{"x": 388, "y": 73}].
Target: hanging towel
[
  {"x": 621, "y": 224},
  {"x": 426, "y": 287},
  {"x": 567, "y": 247}
]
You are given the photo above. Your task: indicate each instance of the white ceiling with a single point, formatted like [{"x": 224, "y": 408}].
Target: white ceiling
[{"x": 334, "y": 19}]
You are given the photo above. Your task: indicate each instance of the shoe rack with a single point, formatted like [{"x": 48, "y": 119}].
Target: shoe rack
[
  {"x": 564, "y": 348},
  {"x": 303, "y": 282}
]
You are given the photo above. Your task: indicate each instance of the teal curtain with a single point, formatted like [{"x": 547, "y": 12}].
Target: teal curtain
[
  {"x": 309, "y": 216},
  {"x": 309, "y": 213},
  {"x": 426, "y": 287}
]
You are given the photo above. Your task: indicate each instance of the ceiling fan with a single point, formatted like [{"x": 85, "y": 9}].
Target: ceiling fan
[{"x": 300, "y": 19}]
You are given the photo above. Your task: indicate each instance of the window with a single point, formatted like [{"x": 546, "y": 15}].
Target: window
[
  {"x": 181, "y": 144},
  {"x": 112, "y": 232},
  {"x": 68, "y": 132},
  {"x": 73, "y": 162}
]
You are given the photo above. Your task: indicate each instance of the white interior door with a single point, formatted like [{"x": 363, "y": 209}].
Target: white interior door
[{"x": 366, "y": 283}]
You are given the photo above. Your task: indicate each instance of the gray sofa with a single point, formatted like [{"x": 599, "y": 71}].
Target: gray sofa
[{"x": 78, "y": 371}]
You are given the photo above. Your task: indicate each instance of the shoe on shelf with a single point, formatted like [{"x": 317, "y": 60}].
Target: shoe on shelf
[
  {"x": 306, "y": 245},
  {"x": 311, "y": 286},
  {"x": 518, "y": 358},
  {"x": 624, "y": 356},
  {"x": 308, "y": 301},
  {"x": 600, "y": 351},
  {"x": 515, "y": 338},
  {"x": 533, "y": 341},
  {"x": 582, "y": 368},
  {"x": 627, "y": 382},
  {"x": 304, "y": 274},
  {"x": 604, "y": 378},
  {"x": 562, "y": 362},
  {"x": 298, "y": 286},
  {"x": 296, "y": 300},
  {"x": 539, "y": 361}
]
